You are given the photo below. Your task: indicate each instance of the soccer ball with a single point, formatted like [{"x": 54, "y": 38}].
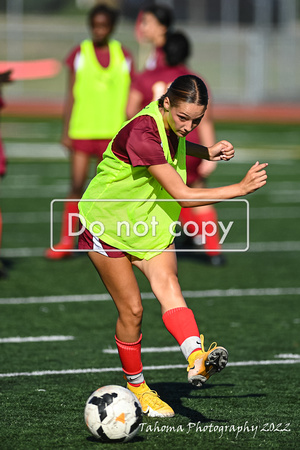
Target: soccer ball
[{"x": 113, "y": 414}]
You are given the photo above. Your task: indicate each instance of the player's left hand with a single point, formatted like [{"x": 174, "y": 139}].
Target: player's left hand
[{"x": 221, "y": 151}]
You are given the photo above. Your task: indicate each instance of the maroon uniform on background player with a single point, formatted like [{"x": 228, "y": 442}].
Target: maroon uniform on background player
[
  {"x": 4, "y": 78},
  {"x": 149, "y": 86},
  {"x": 103, "y": 61},
  {"x": 152, "y": 25}
]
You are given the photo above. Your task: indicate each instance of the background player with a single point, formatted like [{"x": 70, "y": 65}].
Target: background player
[
  {"x": 5, "y": 77},
  {"x": 149, "y": 86},
  {"x": 152, "y": 26},
  {"x": 100, "y": 72}
]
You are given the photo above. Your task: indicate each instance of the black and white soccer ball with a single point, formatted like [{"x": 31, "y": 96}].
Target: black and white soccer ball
[{"x": 113, "y": 414}]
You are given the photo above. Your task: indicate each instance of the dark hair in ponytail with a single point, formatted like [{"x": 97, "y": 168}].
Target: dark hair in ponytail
[
  {"x": 188, "y": 89},
  {"x": 163, "y": 14},
  {"x": 177, "y": 48}
]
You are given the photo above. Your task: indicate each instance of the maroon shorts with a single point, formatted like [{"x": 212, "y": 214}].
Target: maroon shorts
[
  {"x": 92, "y": 147},
  {"x": 87, "y": 241}
]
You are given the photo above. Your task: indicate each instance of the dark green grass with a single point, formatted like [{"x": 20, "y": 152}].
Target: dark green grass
[
  {"x": 52, "y": 406},
  {"x": 233, "y": 320},
  {"x": 46, "y": 412},
  {"x": 27, "y": 129},
  {"x": 52, "y": 409},
  {"x": 39, "y": 277}
]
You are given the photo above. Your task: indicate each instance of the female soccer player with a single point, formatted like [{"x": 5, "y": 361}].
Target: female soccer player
[
  {"x": 99, "y": 80},
  {"x": 129, "y": 211}
]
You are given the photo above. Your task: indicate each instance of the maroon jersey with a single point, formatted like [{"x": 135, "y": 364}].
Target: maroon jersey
[
  {"x": 127, "y": 143},
  {"x": 152, "y": 84},
  {"x": 156, "y": 60}
]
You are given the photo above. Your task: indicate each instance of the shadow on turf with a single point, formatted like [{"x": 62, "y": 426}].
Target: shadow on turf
[
  {"x": 173, "y": 393},
  {"x": 93, "y": 440},
  {"x": 5, "y": 266},
  {"x": 197, "y": 255}
]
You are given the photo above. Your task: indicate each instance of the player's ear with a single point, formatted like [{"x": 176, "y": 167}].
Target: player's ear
[{"x": 167, "y": 104}]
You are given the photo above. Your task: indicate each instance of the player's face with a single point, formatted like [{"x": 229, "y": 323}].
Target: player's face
[
  {"x": 151, "y": 28},
  {"x": 101, "y": 29},
  {"x": 184, "y": 118}
]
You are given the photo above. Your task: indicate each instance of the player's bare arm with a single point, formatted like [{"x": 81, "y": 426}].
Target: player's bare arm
[
  {"x": 171, "y": 181},
  {"x": 65, "y": 140}
]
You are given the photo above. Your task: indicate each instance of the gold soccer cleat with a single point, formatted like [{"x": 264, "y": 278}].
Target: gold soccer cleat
[
  {"x": 202, "y": 364},
  {"x": 152, "y": 405}
]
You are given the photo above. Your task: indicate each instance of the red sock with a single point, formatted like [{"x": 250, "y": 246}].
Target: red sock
[
  {"x": 181, "y": 323},
  {"x": 69, "y": 208},
  {"x": 209, "y": 214},
  {"x": 136, "y": 384},
  {"x": 187, "y": 215},
  {"x": 130, "y": 356}
]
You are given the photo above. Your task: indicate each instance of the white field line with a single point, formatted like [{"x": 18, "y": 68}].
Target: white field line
[
  {"x": 255, "y": 247},
  {"x": 263, "y": 247},
  {"x": 19, "y": 183},
  {"x": 166, "y": 367},
  {"x": 225, "y": 213},
  {"x": 213, "y": 293},
  {"x": 60, "y": 190},
  {"x": 38, "y": 217},
  {"x": 32, "y": 192},
  {"x": 23, "y": 252},
  {"x": 51, "y": 150},
  {"x": 273, "y": 246},
  {"x": 175, "y": 348},
  {"x": 20, "y": 340},
  {"x": 295, "y": 192},
  {"x": 36, "y": 150}
]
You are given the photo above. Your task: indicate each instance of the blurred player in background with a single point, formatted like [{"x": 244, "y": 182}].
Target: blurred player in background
[
  {"x": 149, "y": 86},
  {"x": 100, "y": 72},
  {"x": 4, "y": 78},
  {"x": 153, "y": 25}
]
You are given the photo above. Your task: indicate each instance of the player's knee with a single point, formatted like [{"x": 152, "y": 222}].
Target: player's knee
[
  {"x": 132, "y": 315},
  {"x": 165, "y": 281},
  {"x": 136, "y": 313}
]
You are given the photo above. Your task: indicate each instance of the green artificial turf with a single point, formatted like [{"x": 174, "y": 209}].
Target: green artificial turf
[{"x": 249, "y": 405}]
